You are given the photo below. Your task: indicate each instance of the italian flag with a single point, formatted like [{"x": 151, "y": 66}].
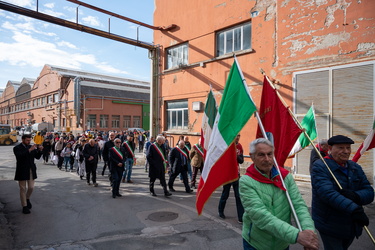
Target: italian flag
[
  {"x": 208, "y": 120},
  {"x": 368, "y": 144},
  {"x": 309, "y": 125},
  {"x": 220, "y": 166}
]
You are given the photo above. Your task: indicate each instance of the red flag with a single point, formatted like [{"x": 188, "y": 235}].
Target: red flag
[
  {"x": 368, "y": 144},
  {"x": 277, "y": 120}
]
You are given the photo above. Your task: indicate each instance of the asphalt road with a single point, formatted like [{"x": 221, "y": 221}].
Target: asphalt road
[{"x": 68, "y": 214}]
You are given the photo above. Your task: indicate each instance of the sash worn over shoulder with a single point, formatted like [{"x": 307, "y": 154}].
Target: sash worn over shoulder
[
  {"x": 127, "y": 145},
  {"x": 256, "y": 175},
  {"x": 183, "y": 153},
  {"x": 160, "y": 152},
  {"x": 118, "y": 152},
  {"x": 199, "y": 149}
]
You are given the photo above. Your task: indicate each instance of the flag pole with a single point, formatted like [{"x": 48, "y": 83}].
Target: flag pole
[
  {"x": 278, "y": 170},
  {"x": 274, "y": 159},
  {"x": 315, "y": 148}
]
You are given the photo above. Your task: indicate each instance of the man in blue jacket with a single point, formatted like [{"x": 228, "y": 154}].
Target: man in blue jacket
[{"x": 338, "y": 213}]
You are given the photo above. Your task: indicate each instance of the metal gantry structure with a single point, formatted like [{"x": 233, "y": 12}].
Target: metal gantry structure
[{"x": 154, "y": 50}]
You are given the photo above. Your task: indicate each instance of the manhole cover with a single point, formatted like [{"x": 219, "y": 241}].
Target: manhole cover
[{"x": 162, "y": 216}]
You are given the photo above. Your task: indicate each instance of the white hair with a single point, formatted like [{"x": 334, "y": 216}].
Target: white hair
[{"x": 254, "y": 143}]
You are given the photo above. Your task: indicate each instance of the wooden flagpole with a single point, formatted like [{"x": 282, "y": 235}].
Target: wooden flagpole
[{"x": 312, "y": 143}]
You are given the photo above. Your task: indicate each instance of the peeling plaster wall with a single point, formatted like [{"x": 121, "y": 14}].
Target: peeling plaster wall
[
  {"x": 287, "y": 36},
  {"x": 325, "y": 32}
]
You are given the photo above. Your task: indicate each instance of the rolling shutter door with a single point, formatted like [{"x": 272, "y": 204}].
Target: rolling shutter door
[
  {"x": 353, "y": 107},
  {"x": 312, "y": 88}
]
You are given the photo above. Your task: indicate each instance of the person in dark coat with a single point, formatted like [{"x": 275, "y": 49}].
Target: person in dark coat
[
  {"x": 337, "y": 212},
  {"x": 46, "y": 149},
  {"x": 117, "y": 156},
  {"x": 157, "y": 159},
  {"x": 179, "y": 159},
  {"x": 322, "y": 146},
  {"x": 91, "y": 154},
  {"x": 107, "y": 145},
  {"x": 26, "y": 169}
]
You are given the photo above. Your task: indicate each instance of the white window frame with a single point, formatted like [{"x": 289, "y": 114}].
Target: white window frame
[
  {"x": 177, "y": 56},
  {"x": 104, "y": 121},
  {"x": 126, "y": 122},
  {"x": 115, "y": 121},
  {"x": 222, "y": 38},
  {"x": 171, "y": 112}
]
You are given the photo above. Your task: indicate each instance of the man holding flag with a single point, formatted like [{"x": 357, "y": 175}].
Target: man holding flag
[
  {"x": 220, "y": 166},
  {"x": 337, "y": 211},
  {"x": 267, "y": 217}
]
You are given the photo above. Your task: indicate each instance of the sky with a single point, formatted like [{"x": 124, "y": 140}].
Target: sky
[{"x": 27, "y": 44}]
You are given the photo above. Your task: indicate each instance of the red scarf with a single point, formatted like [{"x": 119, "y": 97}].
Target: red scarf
[
  {"x": 256, "y": 175},
  {"x": 319, "y": 147}
]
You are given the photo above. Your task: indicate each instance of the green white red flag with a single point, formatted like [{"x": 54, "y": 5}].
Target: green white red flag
[
  {"x": 210, "y": 111},
  {"x": 220, "y": 166},
  {"x": 368, "y": 144},
  {"x": 309, "y": 124}
]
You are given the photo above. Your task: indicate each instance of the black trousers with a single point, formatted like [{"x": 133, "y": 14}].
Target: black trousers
[
  {"x": 45, "y": 156},
  {"x": 184, "y": 179},
  {"x": 116, "y": 174},
  {"x": 163, "y": 183},
  {"x": 91, "y": 169}
]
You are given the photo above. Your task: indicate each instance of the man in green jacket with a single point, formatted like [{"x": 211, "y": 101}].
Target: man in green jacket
[{"x": 267, "y": 217}]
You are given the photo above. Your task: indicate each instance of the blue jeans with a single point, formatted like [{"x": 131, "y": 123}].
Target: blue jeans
[
  {"x": 128, "y": 169},
  {"x": 331, "y": 243},
  {"x": 66, "y": 162},
  {"x": 225, "y": 195},
  {"x": 247, "y": 246}
]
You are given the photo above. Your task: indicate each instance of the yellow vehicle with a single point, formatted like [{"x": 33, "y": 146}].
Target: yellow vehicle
[{"x": 7, "y": 136}]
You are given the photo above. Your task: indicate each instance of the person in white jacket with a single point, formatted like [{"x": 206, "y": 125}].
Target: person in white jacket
[{"x": 80, "y": 159}]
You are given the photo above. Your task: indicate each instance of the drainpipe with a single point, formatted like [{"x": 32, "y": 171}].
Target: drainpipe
[
  {"x": 154, "y": 92},
  {"x": 77, "y": 99}
]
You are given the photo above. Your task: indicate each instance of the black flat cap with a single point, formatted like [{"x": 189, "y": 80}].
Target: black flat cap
[{"x": 339, "y": 139}]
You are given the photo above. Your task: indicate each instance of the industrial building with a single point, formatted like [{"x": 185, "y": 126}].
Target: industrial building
[
  {"x": 76, "y": 101},
  {"x": 320, "y": 52}
]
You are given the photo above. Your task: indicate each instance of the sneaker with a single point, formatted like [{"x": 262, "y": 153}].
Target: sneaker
[
  {"x": 95, "y": 184},
  {"x": 239, "y": 222},
  {"x": 221, "y": 215},
  {"x": 25, "y": 210}
]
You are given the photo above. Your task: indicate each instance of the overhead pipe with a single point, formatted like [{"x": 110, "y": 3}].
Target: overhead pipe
[{"x": 168, "y": 28}]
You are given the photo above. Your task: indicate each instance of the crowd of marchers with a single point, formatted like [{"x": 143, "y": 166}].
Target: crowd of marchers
[
  {"x": 82, "y": 153},
  {"x": 266, "y": 196}
]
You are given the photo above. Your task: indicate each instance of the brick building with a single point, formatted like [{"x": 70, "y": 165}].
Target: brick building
[
  {"x": 76, "y": 101},
  {"x": 320, "y": 51}
]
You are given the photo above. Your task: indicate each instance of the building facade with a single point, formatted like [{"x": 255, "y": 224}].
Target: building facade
[
  {"x": 76, "y": 101},
  {"x": 321, "y": 52}
]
